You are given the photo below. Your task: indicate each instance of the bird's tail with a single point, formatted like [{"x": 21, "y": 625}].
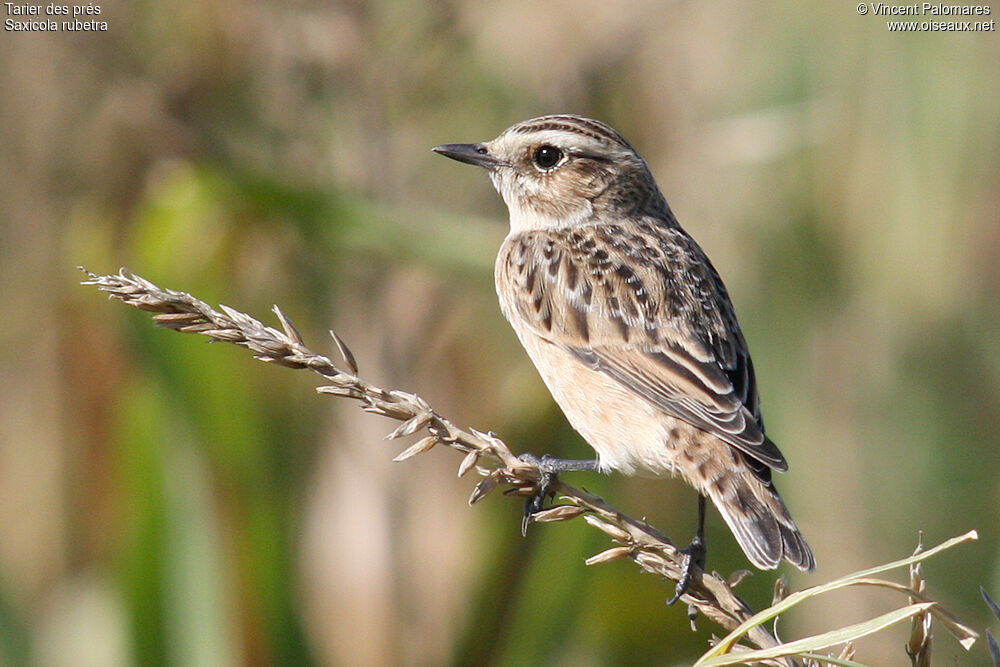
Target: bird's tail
[{"x": 759, "y": 520}]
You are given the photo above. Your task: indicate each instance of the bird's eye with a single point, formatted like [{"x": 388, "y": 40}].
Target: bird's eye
[{"x": 547, "y": 156}]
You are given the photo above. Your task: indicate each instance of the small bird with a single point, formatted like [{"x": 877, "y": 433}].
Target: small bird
[{"x": 631, "y": 328}]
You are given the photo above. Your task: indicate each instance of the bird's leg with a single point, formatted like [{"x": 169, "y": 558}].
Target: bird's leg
[
  {"x": 549, "y": 467},
  {"x": 694, "y": 554}
]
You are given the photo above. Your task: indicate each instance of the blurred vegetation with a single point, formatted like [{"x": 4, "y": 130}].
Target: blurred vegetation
[{"x": 163, "y": 503}]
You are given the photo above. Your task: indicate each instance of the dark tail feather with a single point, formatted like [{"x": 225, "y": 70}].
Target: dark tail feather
[{"x": 755, "y": 513}]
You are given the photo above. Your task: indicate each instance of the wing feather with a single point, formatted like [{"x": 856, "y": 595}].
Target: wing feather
[{"x": 646, "y": 308}]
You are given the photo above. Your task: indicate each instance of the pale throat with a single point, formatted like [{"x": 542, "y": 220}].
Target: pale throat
[{"x": 529, "y": 213}]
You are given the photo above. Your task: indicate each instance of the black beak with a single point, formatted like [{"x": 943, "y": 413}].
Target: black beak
[{"x": 476, "y": 154}]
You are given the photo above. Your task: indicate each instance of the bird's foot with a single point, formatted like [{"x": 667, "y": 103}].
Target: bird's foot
[
  {"x": 694, "y": 558},
  {"x": 549, "y": 467}
]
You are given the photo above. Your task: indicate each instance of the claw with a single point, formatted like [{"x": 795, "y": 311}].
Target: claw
[
  {"x": 549, "y": 468},
  {"x": 694, "y": 558},
  {"x": 536, "y": 502}
]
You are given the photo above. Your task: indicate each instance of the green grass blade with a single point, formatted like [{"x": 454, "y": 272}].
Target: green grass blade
[
  {"x": 821, "y": 641},
  {"x": 727, "y": 642},
  {"x": 830, "y": 660}
]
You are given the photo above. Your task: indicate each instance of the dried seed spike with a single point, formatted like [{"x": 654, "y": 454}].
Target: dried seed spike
[
  {"x": 611, "y": 530},
  {"x": 419, "y": 447},
  {"x": 484, "y": 438},
  {"x": 409, "y": 427},
  {"x": 736, "y": 577},
  {"x": 223, "y": 335},
  {"x": 847, "y": 653},
  {"x": 483, "y": 489},
  {"x": 345, "y": 352},
  {"x": 920, "y": 542},
  {"x": 469, "y": 461},
  {"x": 557, "y": 513},
  {"x": 780, "y": 590},
  {"x": 287, "y": 325},
  {"x": 608, "y": 555},
  {"x": 164, "y": 318},
  {"x": 917, "y": 580},
  {"x": 397, "y": 396},
  {"x": 348, "y": 392},
  {"x": 693, "y": 617},
  {"x": 920, "y": 643},
  {"x": 233, "y": 314}
]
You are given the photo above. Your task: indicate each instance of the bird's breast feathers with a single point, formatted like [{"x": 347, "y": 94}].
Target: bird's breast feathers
[{"x": 638, "y": 303}]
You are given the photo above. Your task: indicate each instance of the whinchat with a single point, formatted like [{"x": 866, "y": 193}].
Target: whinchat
[{"x": 630, "y": 325}]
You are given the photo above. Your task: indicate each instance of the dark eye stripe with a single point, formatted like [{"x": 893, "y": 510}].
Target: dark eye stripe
[{"x": 594, "y": 157}]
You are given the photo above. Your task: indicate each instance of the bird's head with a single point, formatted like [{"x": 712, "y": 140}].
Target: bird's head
[{"x": 557, "y": 171}]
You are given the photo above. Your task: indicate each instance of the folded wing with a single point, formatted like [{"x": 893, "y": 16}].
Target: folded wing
[{"x": 648, "y": 310}]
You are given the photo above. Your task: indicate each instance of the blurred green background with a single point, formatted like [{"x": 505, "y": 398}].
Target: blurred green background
[{"x": 165, "y": 502}]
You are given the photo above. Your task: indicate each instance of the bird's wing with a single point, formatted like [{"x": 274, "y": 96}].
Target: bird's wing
[{"x": 644, "y": 306}]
